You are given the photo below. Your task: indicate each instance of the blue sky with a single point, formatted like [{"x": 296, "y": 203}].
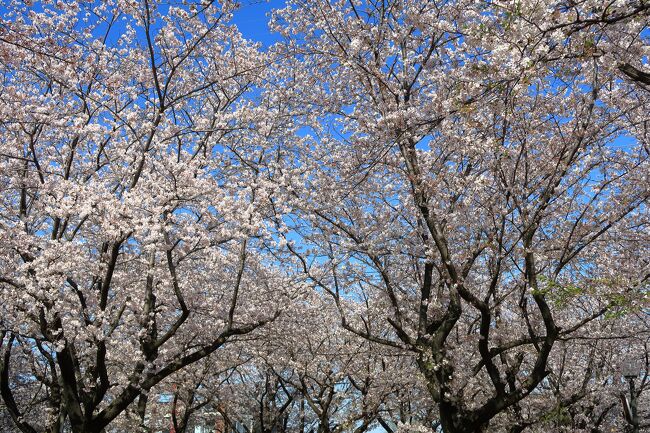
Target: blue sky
[{"x": 252, "y": 19}]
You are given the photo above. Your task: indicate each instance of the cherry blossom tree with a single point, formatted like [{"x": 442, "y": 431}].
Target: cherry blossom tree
[
  {"x": 340, "y": 382},
  {"x": 132, "y": 210},
  {"x": 321, "y": 379},
  {"x": 475, "y": 173}
]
